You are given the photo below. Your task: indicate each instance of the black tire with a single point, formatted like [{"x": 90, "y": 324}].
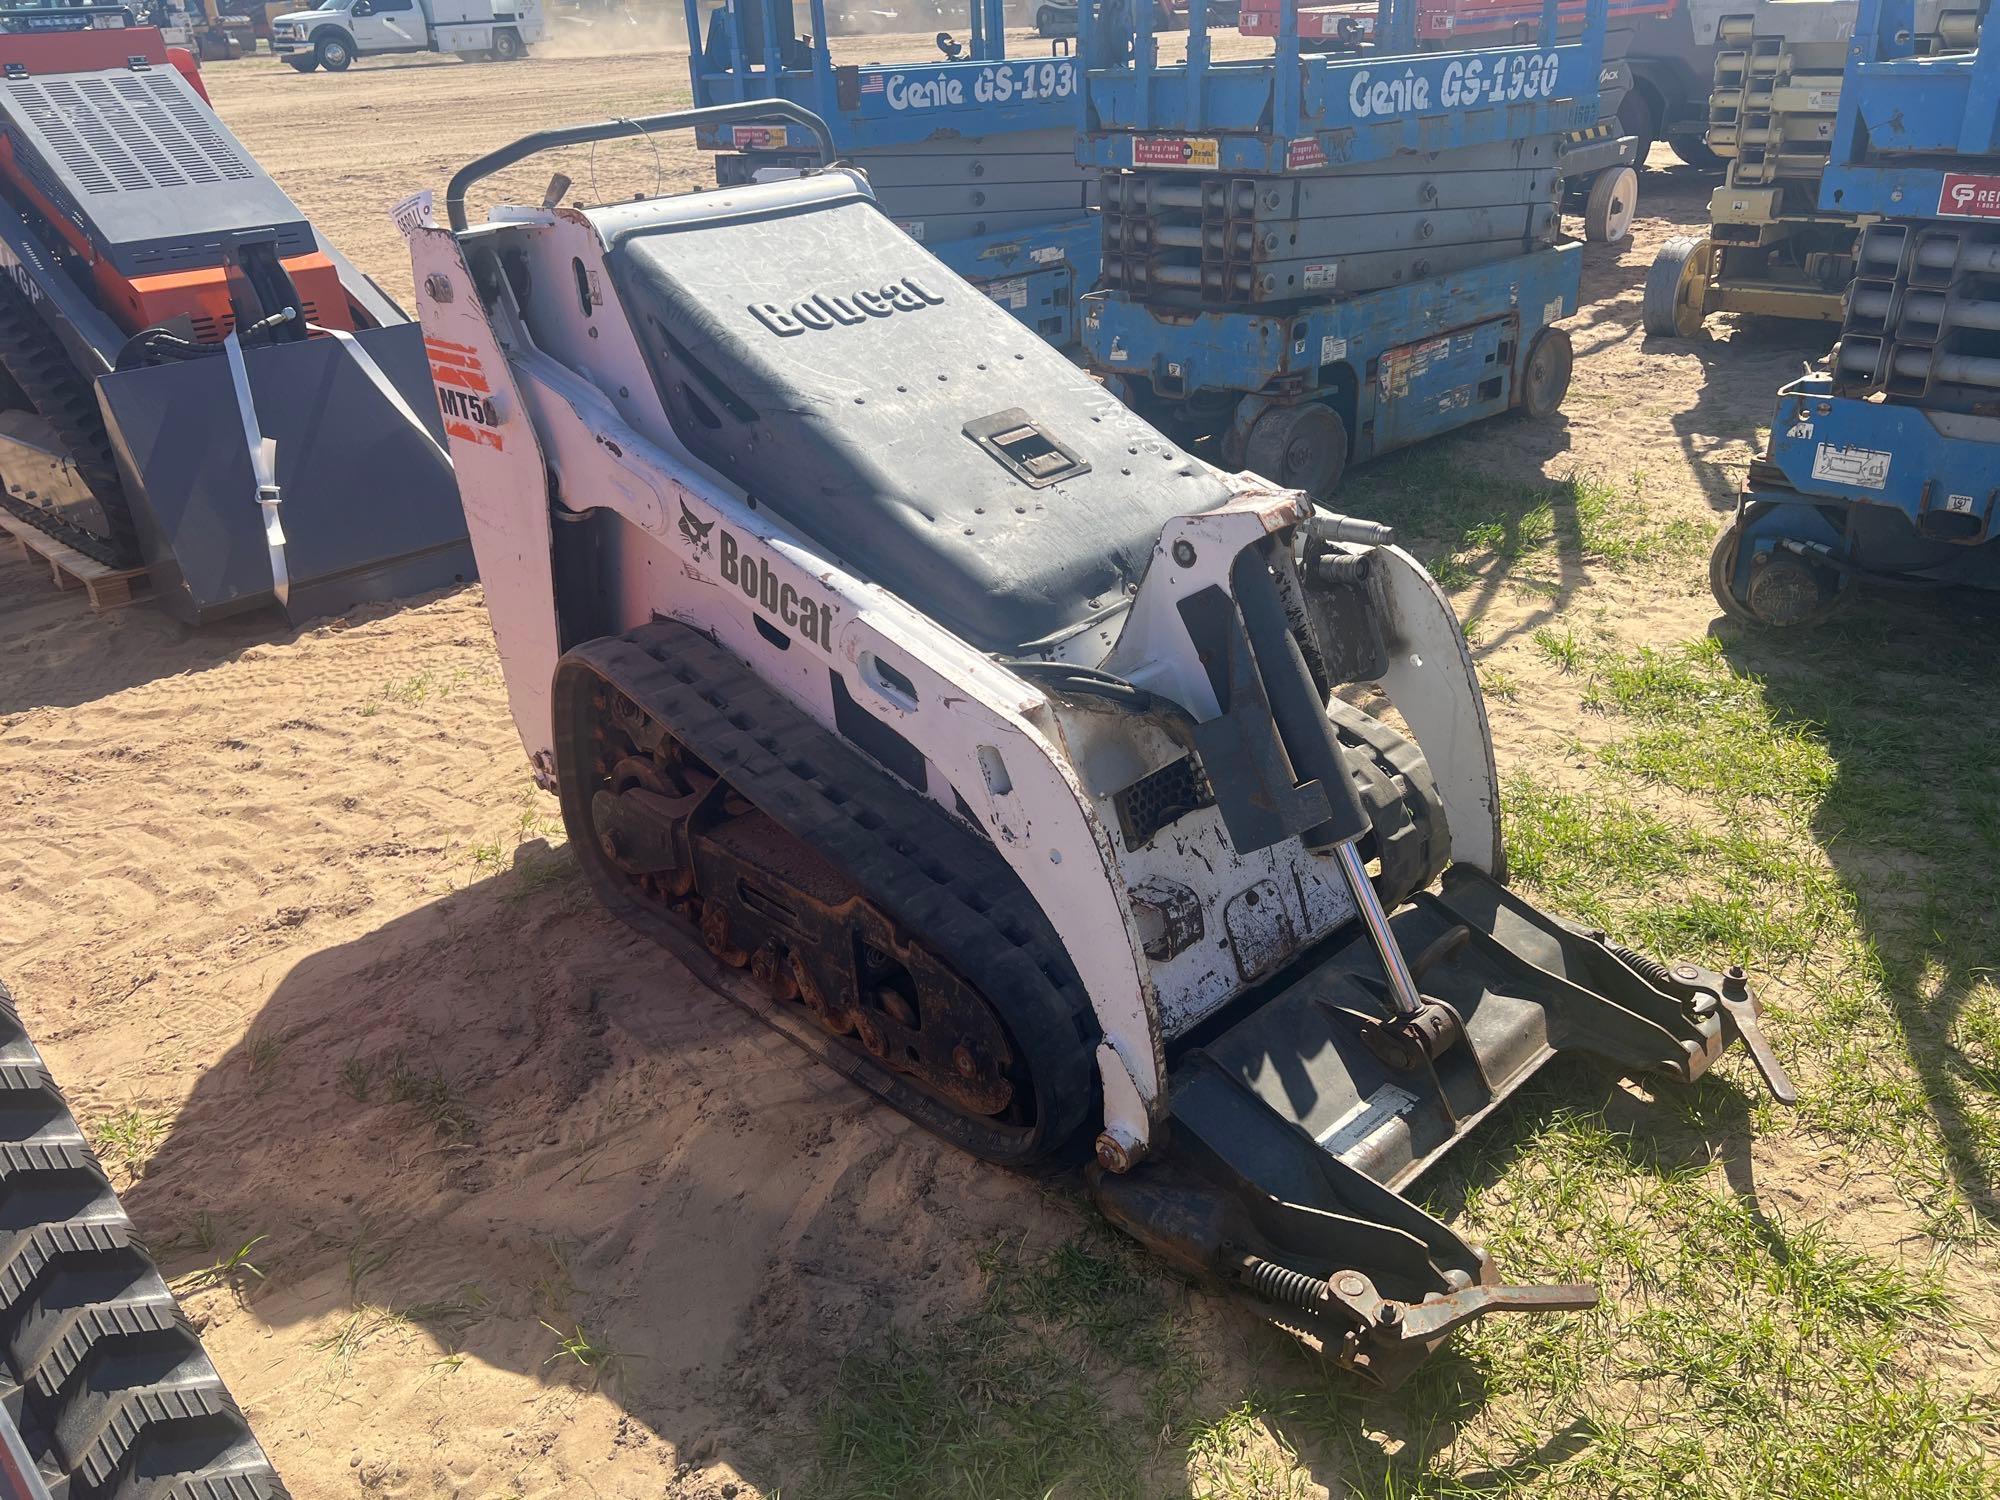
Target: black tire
[
  {"x": 1721, "y": 571},
  {"x": 1676, "y": 296},
  {"x": 1789, "y": 593},
  {"x": 1636, "y": 118},
  {"x": 1045, "y": 22},
  {"x": 1612, "y": 204},
  {"x": 302, "y": 62},
  {"x": 1545, "y": 375},
  {"x": 88, "y": 1329},
  {"x": 334, "y": 51},
  {"x": 1302, "y": 447},
  {"x": 1693, "y": 150},
  {"x": 507, "y": 46}
]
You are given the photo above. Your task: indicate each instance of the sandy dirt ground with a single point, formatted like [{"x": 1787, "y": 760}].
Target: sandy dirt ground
[{"x": 285, "y": 911}]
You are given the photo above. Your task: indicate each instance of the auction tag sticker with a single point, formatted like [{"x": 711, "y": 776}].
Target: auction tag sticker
[
  {"x": 1175, "y": 151},
  {"x": 414, "y": 212},
  {"x": 1862, "y": 468},
  {"x": 1965, "y": 196}
]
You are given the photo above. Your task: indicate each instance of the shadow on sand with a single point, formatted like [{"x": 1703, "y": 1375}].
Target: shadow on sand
[{"x": 505, "y": 1118}]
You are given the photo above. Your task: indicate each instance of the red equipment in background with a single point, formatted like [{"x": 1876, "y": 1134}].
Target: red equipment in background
[{"x": 1437, "y": 20}]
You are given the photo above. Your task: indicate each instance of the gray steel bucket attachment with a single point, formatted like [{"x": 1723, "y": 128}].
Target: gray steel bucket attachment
[
  {"x": 1293, "y": 1133},
  {"x": 370, "y": 508}
]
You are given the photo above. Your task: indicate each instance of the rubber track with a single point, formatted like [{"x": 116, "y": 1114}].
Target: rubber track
[
  {"x": 940, "y": 881},
  {"x": 65, "y": 399},
  {"x": 117, "y": 1399}
]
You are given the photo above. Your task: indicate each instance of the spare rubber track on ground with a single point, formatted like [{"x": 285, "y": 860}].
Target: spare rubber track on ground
[
  {"x": 945, "y": 884},
  {"x": 116, "y": 1398}
]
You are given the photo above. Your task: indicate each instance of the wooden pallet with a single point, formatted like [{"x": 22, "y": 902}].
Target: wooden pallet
[{"x": 107, "y": 587}]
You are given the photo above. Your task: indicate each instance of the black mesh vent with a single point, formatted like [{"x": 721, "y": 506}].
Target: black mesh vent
[
  {"x": 1159, "y": 798},
  {"x": 127, "y": 133},
  {"x": 194, "y": 167},
  {"x": 91, "y": 132},
  {"x": 214, "y": 149},
  {"x": 48, "y": 119},
  {"x": 117, "y": 124}
]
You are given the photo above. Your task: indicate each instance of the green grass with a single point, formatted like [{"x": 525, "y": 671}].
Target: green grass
[
  {"x": 1032, "y": 1393},
  {"x": 129, "y": 1137},
  {"x": 357, "y": 1078},
  {"x": 1465, "y": 523},
  {"x": 235, "y": 1270},
  {"x": 445, "y": 1320},
  {"x": 263, "y": 1050},
  {"x": 425, "y": 1088},
  {"x": 1560, "y": 647},
  {"x": 421, "y": 687},
  {"x": 586, "y": 1350}
]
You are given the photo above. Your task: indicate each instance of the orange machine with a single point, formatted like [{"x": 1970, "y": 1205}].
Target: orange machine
[
  {"x": 166, "y": 217},
  {"x": 194, "y": 380}
]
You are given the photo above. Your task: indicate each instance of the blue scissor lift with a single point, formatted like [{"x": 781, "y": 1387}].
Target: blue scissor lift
[
  {"x": 973, "y": 154},
  {"x": 1885, "y": 468},
  {"x": 1318, "y": 258}
]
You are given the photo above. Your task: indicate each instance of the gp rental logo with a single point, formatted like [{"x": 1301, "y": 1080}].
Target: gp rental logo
[
  {"x": 1965, "y": 196},
  {"x": 824, "y": 310}
]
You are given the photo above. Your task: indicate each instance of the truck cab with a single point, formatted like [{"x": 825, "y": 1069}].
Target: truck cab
[{"x": 335, "y": 32}]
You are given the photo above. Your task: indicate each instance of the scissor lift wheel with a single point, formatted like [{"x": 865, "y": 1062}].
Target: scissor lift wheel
[
  {"x": 1613, "y": 202},
  {"x": 1784, "y": 590},
  {"x": 1302, "y": 447},
  {"x": 1545, "y": 377},
  {"x": 1676, "y": 299}
]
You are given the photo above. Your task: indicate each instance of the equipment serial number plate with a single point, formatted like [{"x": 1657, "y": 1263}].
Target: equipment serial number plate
[{"x": 1863, "y": 468}]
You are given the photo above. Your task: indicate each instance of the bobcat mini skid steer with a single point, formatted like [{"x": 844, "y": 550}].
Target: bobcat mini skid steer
[{"x": 936, "y": 707}]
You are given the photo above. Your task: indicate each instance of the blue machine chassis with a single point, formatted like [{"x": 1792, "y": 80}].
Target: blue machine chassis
[
  {"x": 1397, "y": 365},
  {"x": 1859, "y": 491},
  {"x": 1897, "y": 491}
]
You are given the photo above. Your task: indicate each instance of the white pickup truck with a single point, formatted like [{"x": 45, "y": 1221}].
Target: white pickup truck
[{"x": 336, "y": 32}]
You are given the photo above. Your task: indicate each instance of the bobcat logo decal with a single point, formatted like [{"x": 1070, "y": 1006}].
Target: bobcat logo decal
[{"x": 695, "y": 532}]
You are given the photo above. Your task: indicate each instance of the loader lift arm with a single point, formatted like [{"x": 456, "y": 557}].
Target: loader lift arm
[{"x": 1294, "y": 1132}]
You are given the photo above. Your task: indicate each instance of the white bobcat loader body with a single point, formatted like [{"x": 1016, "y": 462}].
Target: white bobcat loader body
[{"x": 986, "y": 742}]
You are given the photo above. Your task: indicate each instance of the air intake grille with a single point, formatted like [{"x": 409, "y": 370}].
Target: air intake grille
[
  {"x": 50, "y": 121},
  {"x": 1160, "y": 798},
  {"x": 202, "y": 139},
  {"x": 127, "y": 133}
]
